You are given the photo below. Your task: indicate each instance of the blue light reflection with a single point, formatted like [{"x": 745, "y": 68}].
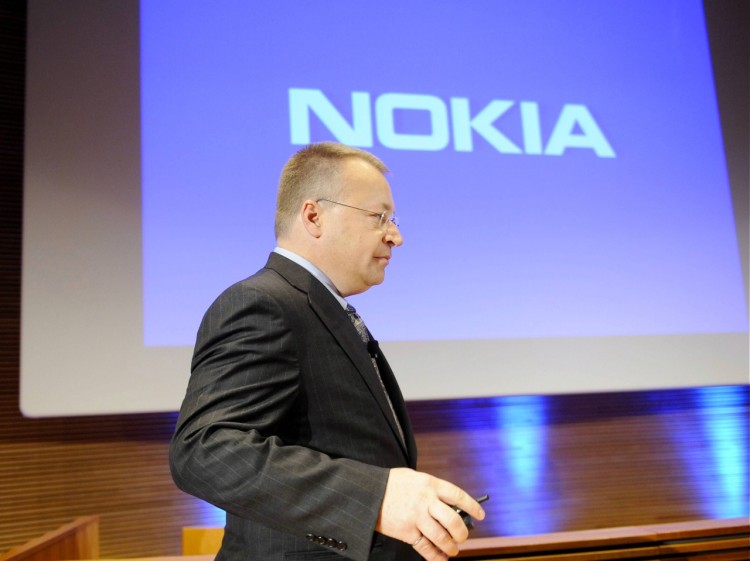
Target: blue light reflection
[
  {"x": 725, "y": 426},
  {"x": 522, "y": 445},
  {"x": 713, "y": 444}
]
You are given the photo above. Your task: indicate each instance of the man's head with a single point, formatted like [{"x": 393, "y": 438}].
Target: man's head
[
  {"x": 334, "y": 208},
  {"x": 312, "y": 173}
]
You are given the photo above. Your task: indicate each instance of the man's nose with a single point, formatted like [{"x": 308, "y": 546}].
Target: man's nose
[{"x": 393, "y": 235}]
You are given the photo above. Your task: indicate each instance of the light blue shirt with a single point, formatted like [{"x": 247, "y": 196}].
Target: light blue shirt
[{"x": 314, "y": 271}]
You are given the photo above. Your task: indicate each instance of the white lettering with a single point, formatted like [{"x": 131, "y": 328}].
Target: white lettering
[
  {"x": 532, "y": 131},
  {"x": 482, "y": 124},
  {"x": 302, "y": 102},
  {"x": 575, "y": 126},
  {"x": 385, "y": 106},
  {"x": 564, "y": 136}
]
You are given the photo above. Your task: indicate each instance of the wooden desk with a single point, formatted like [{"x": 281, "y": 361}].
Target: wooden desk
[
  {"x": 728, "y": 540},
  {"x": 173, "y": 558},
  {"x": 75, "y": 540}
]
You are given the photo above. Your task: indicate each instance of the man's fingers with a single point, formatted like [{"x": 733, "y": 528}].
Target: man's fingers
[
  {"x": 434, "y": 529},
  {"x": 457, "y": 497},
  {"x": 450, "y": 521},
  {"x": 417, "y": 504},
  {"x": 428, "y": 550}
]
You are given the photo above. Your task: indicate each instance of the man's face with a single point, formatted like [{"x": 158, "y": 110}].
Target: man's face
[{"x": 357, "y": 248}]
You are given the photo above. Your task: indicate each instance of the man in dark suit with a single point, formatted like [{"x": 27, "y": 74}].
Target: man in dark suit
[{"x": 293, "y": 421}]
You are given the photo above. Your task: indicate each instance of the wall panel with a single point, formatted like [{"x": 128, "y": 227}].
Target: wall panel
[{"x": 55, "y": 470}]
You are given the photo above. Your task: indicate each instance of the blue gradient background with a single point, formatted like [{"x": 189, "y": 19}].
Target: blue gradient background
[{"x": 526, "y": 245}]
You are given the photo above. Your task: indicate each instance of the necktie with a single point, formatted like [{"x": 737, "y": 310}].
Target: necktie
[{"x": 364, "y": 334}]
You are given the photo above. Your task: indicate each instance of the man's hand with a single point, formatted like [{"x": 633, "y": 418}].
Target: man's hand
[{"x": 419, "y": 509}]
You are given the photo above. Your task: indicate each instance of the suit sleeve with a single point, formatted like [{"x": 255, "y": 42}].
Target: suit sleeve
[{"x": 227, "y": 449}]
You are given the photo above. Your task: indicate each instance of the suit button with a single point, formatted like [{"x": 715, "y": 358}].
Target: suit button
[
  {"x": 310, "y": 537},
  {"x": 330, "y": 542},
  {"x": 341, "y": 546}
]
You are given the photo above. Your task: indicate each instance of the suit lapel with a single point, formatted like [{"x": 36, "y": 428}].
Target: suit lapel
[
  {"x": 338, "y": 322},
  {"x": 397, "y": 399},
  {"x": 335, "y": 318}
]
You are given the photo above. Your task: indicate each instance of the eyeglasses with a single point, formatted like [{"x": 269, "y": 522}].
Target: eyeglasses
[{"x": 384, "y": 218}]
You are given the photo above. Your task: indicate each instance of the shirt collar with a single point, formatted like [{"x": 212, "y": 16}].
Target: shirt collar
[{"x": 314, "y": 271}]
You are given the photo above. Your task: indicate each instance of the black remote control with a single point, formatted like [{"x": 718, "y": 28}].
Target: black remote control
[{"x": 465, "y": 517}]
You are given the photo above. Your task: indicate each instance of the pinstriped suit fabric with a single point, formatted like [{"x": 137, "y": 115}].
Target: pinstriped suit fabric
[{"x": 285, "y": 424}]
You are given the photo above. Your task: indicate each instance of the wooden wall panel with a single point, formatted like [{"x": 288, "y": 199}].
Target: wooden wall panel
[{"x": 55, "y": 470}]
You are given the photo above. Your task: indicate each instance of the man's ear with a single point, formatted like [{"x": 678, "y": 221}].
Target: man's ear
[{"x": 311, "y": 218}]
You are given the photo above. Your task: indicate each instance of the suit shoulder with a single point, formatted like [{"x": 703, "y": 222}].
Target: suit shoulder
[
  {"x": 265, "y": 280},
  {"x": 266, "y": 285}
]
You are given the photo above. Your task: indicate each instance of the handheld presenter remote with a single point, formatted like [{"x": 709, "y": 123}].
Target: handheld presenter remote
[{"x": 465, "y": 517}]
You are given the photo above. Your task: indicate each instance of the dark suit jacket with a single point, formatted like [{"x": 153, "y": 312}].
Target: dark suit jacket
[{"x": 286, "y": 426}]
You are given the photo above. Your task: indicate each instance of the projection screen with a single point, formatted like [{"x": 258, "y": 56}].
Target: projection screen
[{"x": 559, "y": 170}]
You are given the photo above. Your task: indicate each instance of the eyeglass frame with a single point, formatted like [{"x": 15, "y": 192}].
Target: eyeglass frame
[{"x": 384, "y": 221}]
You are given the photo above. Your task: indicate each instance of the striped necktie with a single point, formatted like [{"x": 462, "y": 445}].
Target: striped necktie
[{"x": 364, "y": 334}]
